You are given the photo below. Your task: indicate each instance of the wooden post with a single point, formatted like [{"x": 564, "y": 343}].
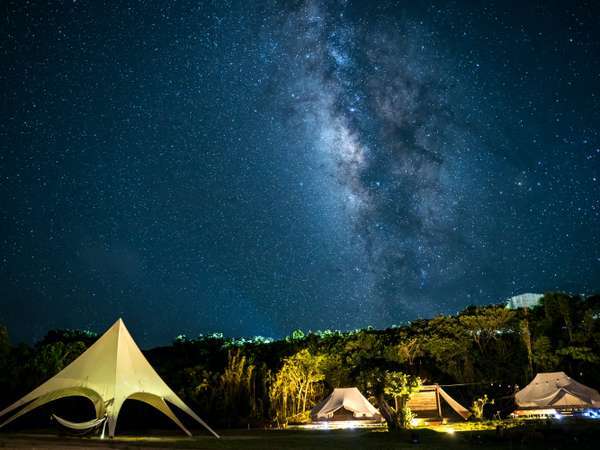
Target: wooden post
[{"x": 437, "y": 400}]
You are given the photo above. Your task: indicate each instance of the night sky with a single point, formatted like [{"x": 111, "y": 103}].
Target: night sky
[{"x": 254, "y": 167}]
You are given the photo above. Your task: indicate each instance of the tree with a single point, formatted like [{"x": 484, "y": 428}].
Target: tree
[
  {"x": 401, "y": 387},
  {"x": 526, "y": 337},
  {"x": 336, "y": 373},
  {"x": 397, "y": 385},
  {"x": 405, "y": 351},
  {"x": 477, "y": 408},
  {"x": 487, "y": 324},
  {"x": 544, "y": 357},
  {"x": 361, "y": 349},
  {"x": 559, "y": 313},
  {"x": 297, "y": 335},
  {"x": 295, "y": 385},
  {"x": 200, "y": 385},
  {"x": 452, "y": 356},
  {"x": 574, "y": 356},
  {"x": 236, "y": 385},
  {"x": 52, "y": 358}
]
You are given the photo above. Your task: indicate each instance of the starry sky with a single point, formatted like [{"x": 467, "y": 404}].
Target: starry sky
[{"x": 256, "y": 167}]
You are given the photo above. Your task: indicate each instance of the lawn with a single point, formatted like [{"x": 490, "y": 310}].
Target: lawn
[{"x": 547, "y": 437}]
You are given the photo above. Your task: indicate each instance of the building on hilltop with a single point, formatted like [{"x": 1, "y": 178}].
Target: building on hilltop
[{"x": 527, "y": 300}]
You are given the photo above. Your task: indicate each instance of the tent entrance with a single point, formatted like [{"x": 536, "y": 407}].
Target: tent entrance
[
  {"x": 428, "y": 404},
  {"x": 345, "y": 404},
  {"x": 342, "y": 414}
]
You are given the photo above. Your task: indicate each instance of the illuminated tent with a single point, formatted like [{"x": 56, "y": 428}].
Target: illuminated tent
[
  {"x": 427, "y": 403},
  {"x": 345, "y": 404},
  {"x": 557, "y": 391},
  {"x": 111, "y": 371}
]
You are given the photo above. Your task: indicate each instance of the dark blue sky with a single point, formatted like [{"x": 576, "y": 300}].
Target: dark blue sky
[{"x": 255, "y": 167}]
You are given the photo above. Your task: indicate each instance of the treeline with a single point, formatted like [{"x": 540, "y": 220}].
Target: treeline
[{"x": 235, "y": 382}]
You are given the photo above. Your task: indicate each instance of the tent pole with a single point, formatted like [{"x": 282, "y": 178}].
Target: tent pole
[{"x": 104, "y": 427}]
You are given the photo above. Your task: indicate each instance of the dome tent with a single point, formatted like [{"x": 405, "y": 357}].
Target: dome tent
[{"x": 109, "y": 372}]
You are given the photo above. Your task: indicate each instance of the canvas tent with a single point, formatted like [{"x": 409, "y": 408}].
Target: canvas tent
[
  {"x": 427, "y": 403},
  {"x": 345, "y": 404},
  {"x": 111, "y": 371},
  {"x": 556, "y": 390}
]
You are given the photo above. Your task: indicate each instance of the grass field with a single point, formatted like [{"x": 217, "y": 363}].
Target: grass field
[{"x": 547, "y": 437}]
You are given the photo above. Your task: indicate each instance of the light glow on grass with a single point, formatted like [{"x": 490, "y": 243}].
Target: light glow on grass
[
  {"x": 415, "y": 422},
  {"x": 341, "y": 425}
]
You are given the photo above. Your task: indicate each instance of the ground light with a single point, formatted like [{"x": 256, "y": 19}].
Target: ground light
[
  {"x": 415, "y": 422},
  {"x": 341, "y": 425},
  {"x": 592, "y": 414}
]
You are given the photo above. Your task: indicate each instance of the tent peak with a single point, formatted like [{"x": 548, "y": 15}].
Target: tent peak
[
  {"x": 119, "y": 325},
  {"x": 550, "y": 376}
]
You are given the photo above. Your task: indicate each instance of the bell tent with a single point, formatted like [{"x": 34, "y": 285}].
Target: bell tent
[
  {"x": 427, "y": 403},
  {"x": 111, "y": 371},
  {"x": 345, "y": 404},
  {"x": 556, "y": 390}
]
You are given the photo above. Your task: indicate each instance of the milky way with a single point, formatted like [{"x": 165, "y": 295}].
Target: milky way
[
  {"x": 256, "y": 167},
  {"x": 378, "y": 111}
]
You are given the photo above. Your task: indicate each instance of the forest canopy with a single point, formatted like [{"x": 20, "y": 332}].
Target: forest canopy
[{"x": 488, "y": 350}]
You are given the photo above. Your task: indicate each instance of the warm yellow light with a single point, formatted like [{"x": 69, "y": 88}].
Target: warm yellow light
[{"x": 340, "y": 425}]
